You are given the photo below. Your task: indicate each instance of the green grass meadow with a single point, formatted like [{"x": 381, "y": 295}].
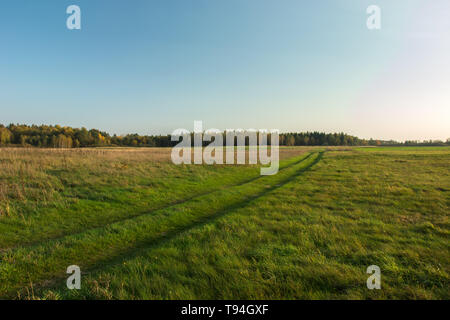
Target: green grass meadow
[{"x": 141, "y": 227}]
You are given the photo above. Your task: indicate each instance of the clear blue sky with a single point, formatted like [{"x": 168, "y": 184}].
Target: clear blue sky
[{"x": 150, "y": 66}]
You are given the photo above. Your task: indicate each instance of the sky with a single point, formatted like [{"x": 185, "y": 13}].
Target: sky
[{"x": 152, "y": 66}]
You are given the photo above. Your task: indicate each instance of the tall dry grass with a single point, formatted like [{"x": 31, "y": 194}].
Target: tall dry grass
[{"x": 33, "y": 176}]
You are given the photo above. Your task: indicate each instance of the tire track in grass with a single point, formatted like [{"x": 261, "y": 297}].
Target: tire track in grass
[
  {"x": 95, "y": 248},
  {"x": 108, "y": 266},
  {"x": 162, "y": 207},
  {"x": 135, "y": 252}
]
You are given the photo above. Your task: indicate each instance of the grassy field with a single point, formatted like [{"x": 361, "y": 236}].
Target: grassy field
[{"x": 142, "y": 228}]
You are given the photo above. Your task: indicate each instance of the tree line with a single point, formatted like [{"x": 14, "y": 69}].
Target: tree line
[{"x": 47, "y": 136}]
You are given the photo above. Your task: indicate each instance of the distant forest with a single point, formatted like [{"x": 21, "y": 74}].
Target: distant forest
[{"x": 66, "y": 137}]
